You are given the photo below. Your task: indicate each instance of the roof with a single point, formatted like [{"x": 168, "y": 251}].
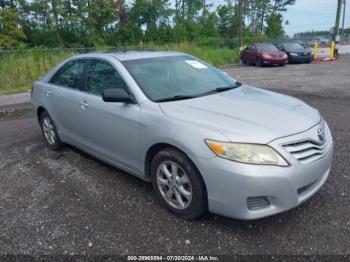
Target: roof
[{"x": 133, "y": 55}]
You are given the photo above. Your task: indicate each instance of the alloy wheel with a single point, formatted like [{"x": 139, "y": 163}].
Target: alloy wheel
[
  {"x": 49, "y": 130},
  {"x": 174, "y": 185}
]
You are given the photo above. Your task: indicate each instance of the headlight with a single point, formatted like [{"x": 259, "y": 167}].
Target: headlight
[
  {"x": 293, "y": 54},
  {"x": 247, "y": 153},
  {"x": 284, "y": 56}
]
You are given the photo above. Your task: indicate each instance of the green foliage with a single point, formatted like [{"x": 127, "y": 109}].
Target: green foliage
[
  {"x": 81, "y": 23},
  {"x": 18, "y": 70},
  {"x": 228, "y": 23},
  {"x": 10, "y": 34},
  {"x": 274, "y": 26}
]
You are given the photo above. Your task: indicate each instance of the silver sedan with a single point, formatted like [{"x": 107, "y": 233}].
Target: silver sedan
[{"x": 204, "y": 140}]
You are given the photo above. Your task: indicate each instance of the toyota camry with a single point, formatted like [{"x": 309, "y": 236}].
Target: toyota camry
[{"x": 205, "y": 141}]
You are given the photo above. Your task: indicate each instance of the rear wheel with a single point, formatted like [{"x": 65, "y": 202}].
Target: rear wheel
[
  {"x": 177, "y": 184},
  {"x": 48, "y": 128}
]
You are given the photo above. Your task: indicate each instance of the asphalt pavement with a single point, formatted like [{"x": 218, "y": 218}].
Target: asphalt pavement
[{"x": 71, "y": 203}]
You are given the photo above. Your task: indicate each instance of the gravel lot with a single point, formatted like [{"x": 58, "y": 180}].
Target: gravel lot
[{"x": 74, "y": 204}]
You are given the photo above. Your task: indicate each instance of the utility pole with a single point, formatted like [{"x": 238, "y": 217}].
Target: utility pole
[
  {"x": 337, "y": 20},
  {"x": 240, "y": 11},
  {"x": 336, "y": 36},
  {"x": 183, "y": 12},
  {"x": 344, "y": 8},
  {"x": 204, "y": 10}
]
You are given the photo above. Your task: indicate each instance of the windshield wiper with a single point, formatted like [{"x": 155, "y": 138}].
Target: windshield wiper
[
  {"x": 222, "y": 89},
  {"x": 175, "y": 98},
  {"x": 183, "y": 97}
]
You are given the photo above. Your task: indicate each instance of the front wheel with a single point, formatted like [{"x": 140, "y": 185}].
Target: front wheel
[
  {"x": 178, "y": 185},
  {"x": 259, "y": 62}
]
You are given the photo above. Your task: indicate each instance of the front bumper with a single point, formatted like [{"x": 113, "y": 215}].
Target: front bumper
[
  {"x": 300, "y": 59},
  {"x": 234, "y": 188}
]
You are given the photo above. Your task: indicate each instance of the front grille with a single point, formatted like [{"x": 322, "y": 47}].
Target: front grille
[
  {"x": 309, "y": 150},
  {"x": 256, "y": 203}
]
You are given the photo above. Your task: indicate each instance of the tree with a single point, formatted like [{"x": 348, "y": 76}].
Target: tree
[
  {"x": 11, "y": 35},
  {"x": 228, "y": 20},
  {"x": 150, "y": 14},
  {"x": 274, "y": 28},
  {"x": 76, "y": 23}
]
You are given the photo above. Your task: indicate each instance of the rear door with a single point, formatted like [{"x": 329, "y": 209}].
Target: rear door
[
  {"x": 250, "y": 54},
  {"x": 63, "y": 98},
  {"x": 109, "y": 129}
]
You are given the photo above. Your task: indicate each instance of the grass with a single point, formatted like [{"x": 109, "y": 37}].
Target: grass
[
  {"x": 15, "y": 114},
  {"x": 19, "y": 69}
]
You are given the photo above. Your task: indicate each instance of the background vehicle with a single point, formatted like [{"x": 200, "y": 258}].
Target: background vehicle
[
  {"x": 323, "y": 41},
  {"x": 263, "y": 54},
  {"x": 296, "y": 53}
]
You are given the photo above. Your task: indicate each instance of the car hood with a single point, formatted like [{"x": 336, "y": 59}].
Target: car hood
[{"x": 245, "y": 114}]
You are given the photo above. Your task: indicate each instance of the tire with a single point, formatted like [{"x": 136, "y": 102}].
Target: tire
[
  {"x": 244, "y": 61},
  {"x": 258, "y": 62},
  {"x": 49, "y": 130},
  {"x": 283, "y": 64},
  {"x": 187, "y": 178}
]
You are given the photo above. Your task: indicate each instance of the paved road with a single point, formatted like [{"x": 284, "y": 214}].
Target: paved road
[{"x": 74, "y": 204}]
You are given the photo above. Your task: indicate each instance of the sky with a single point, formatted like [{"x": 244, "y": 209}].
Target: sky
[{"x": 307, "y": 15}]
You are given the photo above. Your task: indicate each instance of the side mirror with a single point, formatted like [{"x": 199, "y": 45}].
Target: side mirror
[{"x": 116, "y": 95}]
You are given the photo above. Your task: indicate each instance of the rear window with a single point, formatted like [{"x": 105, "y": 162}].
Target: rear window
[
  {"x": 69, "y": 75},
  {"x": 294, "y": 47}
]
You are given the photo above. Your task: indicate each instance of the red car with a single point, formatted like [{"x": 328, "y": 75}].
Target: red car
[{"x": 263, "y": 54}]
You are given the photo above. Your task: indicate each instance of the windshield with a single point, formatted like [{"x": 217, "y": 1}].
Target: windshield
[
  {"x": 294, "y": 47},
  {"x": 266, "y": 48},
  {"x": 161, "y": 78}
]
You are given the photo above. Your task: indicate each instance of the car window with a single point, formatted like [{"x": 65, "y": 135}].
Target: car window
[
  {"x": 102, "y": 76},
  {"x": 294, "y": 47},
  {"x": 163, "y": 77},
  {"x": 69, "y": 75}
]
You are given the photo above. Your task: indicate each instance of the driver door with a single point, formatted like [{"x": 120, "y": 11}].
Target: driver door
[{"x": 109, "y": 129}]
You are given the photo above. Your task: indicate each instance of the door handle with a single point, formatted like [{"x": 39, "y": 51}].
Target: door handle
[
  {"x": 84, "y": 105},
  {"x": 48, "y": 93}
]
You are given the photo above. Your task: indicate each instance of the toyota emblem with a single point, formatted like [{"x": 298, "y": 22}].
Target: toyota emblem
[{"x": 321, "y": 135}]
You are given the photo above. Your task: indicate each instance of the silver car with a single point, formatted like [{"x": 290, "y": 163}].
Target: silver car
[{"x": 204, "y": 140}]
